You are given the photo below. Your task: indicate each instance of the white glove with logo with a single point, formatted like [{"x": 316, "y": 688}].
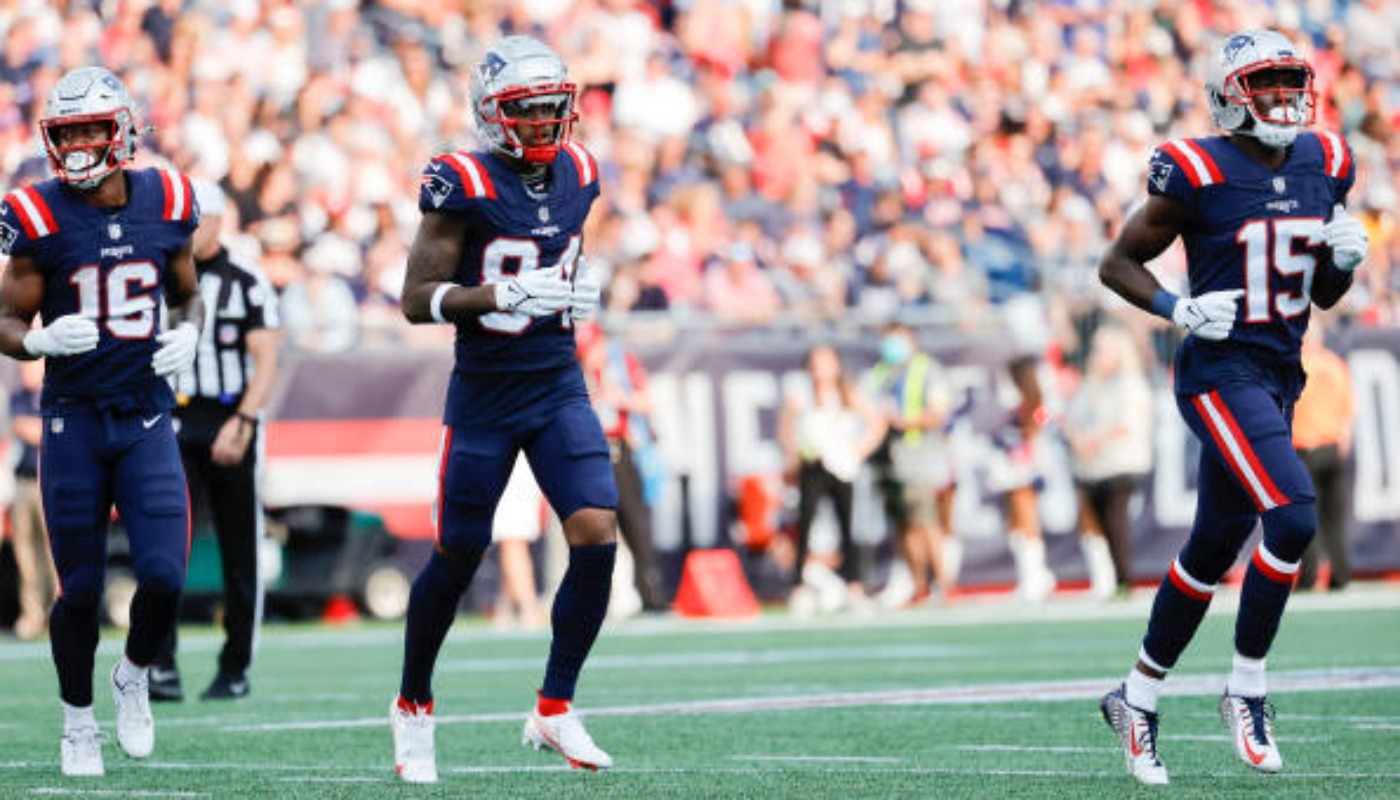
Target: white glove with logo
[
  {"x": 1210, "y": 316},
  {"x": 586, "y": 295},
  {"x": 176, "y": 352},
  {"x": 66, "y": 336},
  {"x": 1345, "y": 236},
  {"x": 538, "y": 293}
]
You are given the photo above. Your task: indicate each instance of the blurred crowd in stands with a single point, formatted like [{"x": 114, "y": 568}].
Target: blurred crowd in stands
[{"x": 764, "y": 161}]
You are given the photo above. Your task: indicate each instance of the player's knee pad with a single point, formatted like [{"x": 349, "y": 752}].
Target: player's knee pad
[
  {"x": 161, "y": 575},
  {"x": 1210, "y": 553},
  {"x": 460, "y": 558},
  {"x": 1288, "y": 530}
]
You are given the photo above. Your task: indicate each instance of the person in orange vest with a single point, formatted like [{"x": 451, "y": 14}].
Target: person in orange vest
[{"x": 1322, "y": 422}]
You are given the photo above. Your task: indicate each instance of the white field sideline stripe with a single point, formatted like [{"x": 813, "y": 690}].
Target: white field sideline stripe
[
  {"x": 69, "y": 791},
  {"x": 373, "y": 774},
  {"x": 1236, "y": 454},
  {"x": 1013, "y": 692},
  {"x": 828, "y": 759},
  {"x": 360, "y": 774},
  {"x": 294, "y": 480}
]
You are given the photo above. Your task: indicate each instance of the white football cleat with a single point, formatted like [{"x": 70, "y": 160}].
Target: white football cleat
[
  {"x": 81, "y": 750},
  {"x": 565, "y": 734},
  {"x": 1137, "y": 730},
  {"x": 136, "y": 728},
  {"x": 415, "y": 755},
  {"x": 1251, "y": 724}
]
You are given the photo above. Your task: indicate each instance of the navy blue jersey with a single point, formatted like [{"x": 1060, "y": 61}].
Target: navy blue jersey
[
  {"x": 110, "y": 265},
  {"x": 512, "y": 230},
  {"x": 1248, "y": 229}
]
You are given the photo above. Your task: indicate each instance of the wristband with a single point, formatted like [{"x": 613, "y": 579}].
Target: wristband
[
  {"x": 435, "y": 305},
  {"x": 1163, "y": 303},
  {"x": 246, "y": 419}
]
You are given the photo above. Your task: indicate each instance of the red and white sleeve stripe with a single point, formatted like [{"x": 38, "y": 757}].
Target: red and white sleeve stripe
[
  {"x": 476, "y": 181},
  {"x": 1199, "y": 166},
  {"x": 1336, "y": 158},
  {"x": 33, "y": 212},
  {"x": 179, "y": 196},
  {"x": 584, "y": 164}
]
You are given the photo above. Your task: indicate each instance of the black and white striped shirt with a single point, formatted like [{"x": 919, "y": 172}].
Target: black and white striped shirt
[{"x": 237, "y": 300}]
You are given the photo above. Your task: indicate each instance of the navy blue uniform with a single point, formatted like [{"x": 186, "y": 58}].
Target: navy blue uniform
[
  {"x": 108, "y": 437},
  {"x": 1248, "y": 229},
  {"x": 517, "y": 382}
]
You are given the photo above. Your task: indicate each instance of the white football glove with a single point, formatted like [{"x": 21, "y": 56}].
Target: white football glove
[
  {"x": 1345, "y": 236},
  {"x": 586, "y": 295},
  {"x": 176, "y": 352},
  {"x": 1210, "y": 316},
  {"x": 537, "y": 293},
  {"x": 66, "y": 336}
]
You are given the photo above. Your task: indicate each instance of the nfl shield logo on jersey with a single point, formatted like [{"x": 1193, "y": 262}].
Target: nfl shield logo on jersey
[
  {"x": 544, "y": 214},
  {"x": 114, "y": 230},
  {"x": 1279, "y": 184}
]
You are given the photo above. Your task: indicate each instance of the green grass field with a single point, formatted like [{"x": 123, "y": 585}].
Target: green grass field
[{"x": 982, "y": 699}]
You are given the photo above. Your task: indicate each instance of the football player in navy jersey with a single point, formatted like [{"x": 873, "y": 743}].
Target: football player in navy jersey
[
  {"x": 498, "y": 256},
  {"x": 1261, "y": 212},
  {"x": 100, "y": 252}
]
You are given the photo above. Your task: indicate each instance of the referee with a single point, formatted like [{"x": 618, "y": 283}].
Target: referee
[{"x": 218, "y": 420}]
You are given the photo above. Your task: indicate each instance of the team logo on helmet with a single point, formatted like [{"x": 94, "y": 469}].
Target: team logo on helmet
[
  {"x": 491, "y": 66},
  {"x": 1235, "y": 44}
]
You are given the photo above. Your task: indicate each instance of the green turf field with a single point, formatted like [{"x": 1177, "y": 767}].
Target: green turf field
[{"x": 982, "y": 699}]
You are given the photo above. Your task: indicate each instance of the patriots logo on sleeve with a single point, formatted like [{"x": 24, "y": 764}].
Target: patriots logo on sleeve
[
  {"x": 8, "y": 235},
  {"x": 438, "y": 189},
  {"x": 1161, "y": 172}
]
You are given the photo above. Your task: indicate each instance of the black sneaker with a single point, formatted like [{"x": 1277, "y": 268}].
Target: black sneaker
[
  {"x": 226, "y": 687},
  {"x": 165, "y": 684}
]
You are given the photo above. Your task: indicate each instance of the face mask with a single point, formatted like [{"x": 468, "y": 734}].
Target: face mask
[{"x": 894, "y": 349}]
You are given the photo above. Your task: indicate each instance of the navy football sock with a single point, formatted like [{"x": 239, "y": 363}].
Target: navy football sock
[
  {"x": 1267, "y": 584},
  {"x": 73, "y": 641},
  {"x": 579, "y": 609},
  {"x": 153, "y": 616},
  {"x": 1177, "y": 611},
  {"x": 431, "y": 608}
]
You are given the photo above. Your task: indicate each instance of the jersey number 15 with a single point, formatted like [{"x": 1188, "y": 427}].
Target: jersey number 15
[{"x": 1277, "y": 246}]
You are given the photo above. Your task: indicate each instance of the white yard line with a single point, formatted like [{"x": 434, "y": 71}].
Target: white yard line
[
  {"x": 824, "y": 759},
  {"x": 1022, "y": 691}
]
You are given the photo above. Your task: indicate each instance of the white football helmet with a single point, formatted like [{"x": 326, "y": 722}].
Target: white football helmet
[
  {"x": 82, "y": 96},
  {"x": 522, "y": 86},
  {"x": 1257, "y": 85}
]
